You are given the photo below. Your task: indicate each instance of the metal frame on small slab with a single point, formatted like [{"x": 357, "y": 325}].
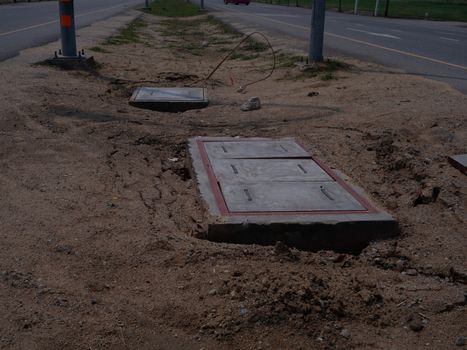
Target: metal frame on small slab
[{"x": 169, "y": 99}]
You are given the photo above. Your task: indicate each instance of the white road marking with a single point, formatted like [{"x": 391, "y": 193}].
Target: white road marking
[
  {"x": 276, "y": 15},
  {"x": 374, "y": 34},
  {"x": 449, "y": 33},
  {"x": 450, "y": 39},
  {"x": 56, "y": 21}
]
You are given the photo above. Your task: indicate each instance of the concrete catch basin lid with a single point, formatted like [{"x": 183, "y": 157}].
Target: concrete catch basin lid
[
  {"x": 260, "y": 191},
  {"x": 460, "y": 162},
  {"x": 169, "y": 99}
]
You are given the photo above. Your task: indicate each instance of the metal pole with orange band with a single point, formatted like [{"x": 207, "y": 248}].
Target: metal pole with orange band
[{"x": 67, "y": 28}]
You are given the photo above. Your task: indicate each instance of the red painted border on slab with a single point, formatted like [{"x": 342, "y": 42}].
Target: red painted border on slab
[{"x": 224, "y": 210}]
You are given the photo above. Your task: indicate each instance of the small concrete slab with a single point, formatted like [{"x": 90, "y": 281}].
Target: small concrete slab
[
  {"x": 257, "y": 148},
  {"x": 260, "y": 191},
  {"x": 287, "y": 197},
  {"x": 263, "y": 170},
  {"x": 459, "y": 162},
  {"x": 169, "y": 99}
]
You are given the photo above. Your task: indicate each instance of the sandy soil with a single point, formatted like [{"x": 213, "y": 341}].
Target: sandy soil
[{"x": 99, "y": 224}]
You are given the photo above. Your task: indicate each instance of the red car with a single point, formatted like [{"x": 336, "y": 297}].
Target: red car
[{"x": 236, "y": 2}]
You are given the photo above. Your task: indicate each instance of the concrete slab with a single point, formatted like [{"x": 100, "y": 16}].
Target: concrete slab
[
  {"x": 258, "y": 148},
  {"x": 460, "y": 162},
  {"x": 169, "y": 99},
  {"x": 259, "y": 191},
  {"x": 288, "y": 197},
  {"x": 265, "y": 170}
]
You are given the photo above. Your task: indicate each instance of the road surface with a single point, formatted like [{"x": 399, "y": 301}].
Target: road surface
[
  {"x": 436, "y": 50},
  {"x": 25, "y": 25}
]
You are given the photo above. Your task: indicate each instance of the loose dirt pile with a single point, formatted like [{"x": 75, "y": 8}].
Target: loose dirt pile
[{"x": 100, "y": 214}]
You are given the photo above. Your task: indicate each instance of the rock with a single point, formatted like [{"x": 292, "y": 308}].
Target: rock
[
  {"x": 411, "y": 272},
  {"x": 461, "y": 341},
  {"x": 251, "y": 105},
  {"x": 281, "y": 249},
  {"x": 415, "y": 323},
  {"x": 205, "y": 44},
  {"x": 212, "y": 292},
  {"x": 345, "y": 333},
  {"x": 313, "y": 93}
]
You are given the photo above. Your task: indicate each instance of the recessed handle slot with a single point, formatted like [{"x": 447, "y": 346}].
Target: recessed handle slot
[
  {"x": 326, "y": 193},
  {"x": 302, "y": 168},
  {"x": 247, "y": 194}
]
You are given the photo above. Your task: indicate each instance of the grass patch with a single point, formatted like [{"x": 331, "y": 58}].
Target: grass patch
[
  {"x": 324, "y": 71},
  {"x": 98, "y": 49},
  {"x": 285, "y": 60},
  {"x": 129, "y": 34},
  {"x": 242, "y": 57},
  {"x": 173, "y": 8},
  {"x": 197, "y": 34}
]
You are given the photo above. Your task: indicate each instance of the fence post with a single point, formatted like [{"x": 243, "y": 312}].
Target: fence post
[
  {"x": 376, "y": 8},
  {"x": 387, "y": 9},
  {"x": 355, "y": 9}
]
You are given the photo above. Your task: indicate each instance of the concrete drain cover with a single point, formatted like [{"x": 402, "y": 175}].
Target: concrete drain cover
[
  {"x": 261, "y": 191},
  {"x": 459, "y": 162},
  {"x": 169, "y": 99}
]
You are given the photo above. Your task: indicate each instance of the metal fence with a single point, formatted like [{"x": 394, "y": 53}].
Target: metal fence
[
  {"x": 452, "y": 10},
  {"x": 15, "y": 1}
]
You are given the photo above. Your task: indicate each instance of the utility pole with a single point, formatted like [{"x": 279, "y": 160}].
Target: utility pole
[
  {"x": 317, "y": 31},
  {"x": 68, "y": 57},
  {"x": 146, "y": 3},
  {"x": 201, "y": 3},
  {"x": 355, "y": 9},
  {"x": 376, "y": 8},
  {"x": 67, "y": 28}
]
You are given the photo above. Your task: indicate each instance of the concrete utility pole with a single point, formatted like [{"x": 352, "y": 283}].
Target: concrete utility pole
[
  {"x": 67, "y": 28},
  {"x": 376, "y": 8},
  {"x": 317, "y": 31},
  {"x": 355, "y": 9}
]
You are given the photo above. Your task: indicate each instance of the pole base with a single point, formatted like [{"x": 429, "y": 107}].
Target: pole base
[{"x": 73, "y": 63}]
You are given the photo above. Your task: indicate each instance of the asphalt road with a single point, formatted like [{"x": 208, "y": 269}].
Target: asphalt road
[
  {"x": 436, "y": 50},
  {"x": 25, "y": 25}
]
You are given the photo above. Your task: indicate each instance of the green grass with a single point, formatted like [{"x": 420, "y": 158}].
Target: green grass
[
  {"x": 242, "y": 56},
  {"x": 447, "y": 10},
  {"x": 98, "y": 49},
  {"x": 129, "y": 34},
  {"x": 323, "y": 71},
  {"x": 173, "y": 8},
  {"x": 285, "y": 60}
]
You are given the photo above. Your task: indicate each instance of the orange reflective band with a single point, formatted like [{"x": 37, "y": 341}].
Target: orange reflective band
[{"x": 65, "y": 21}]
